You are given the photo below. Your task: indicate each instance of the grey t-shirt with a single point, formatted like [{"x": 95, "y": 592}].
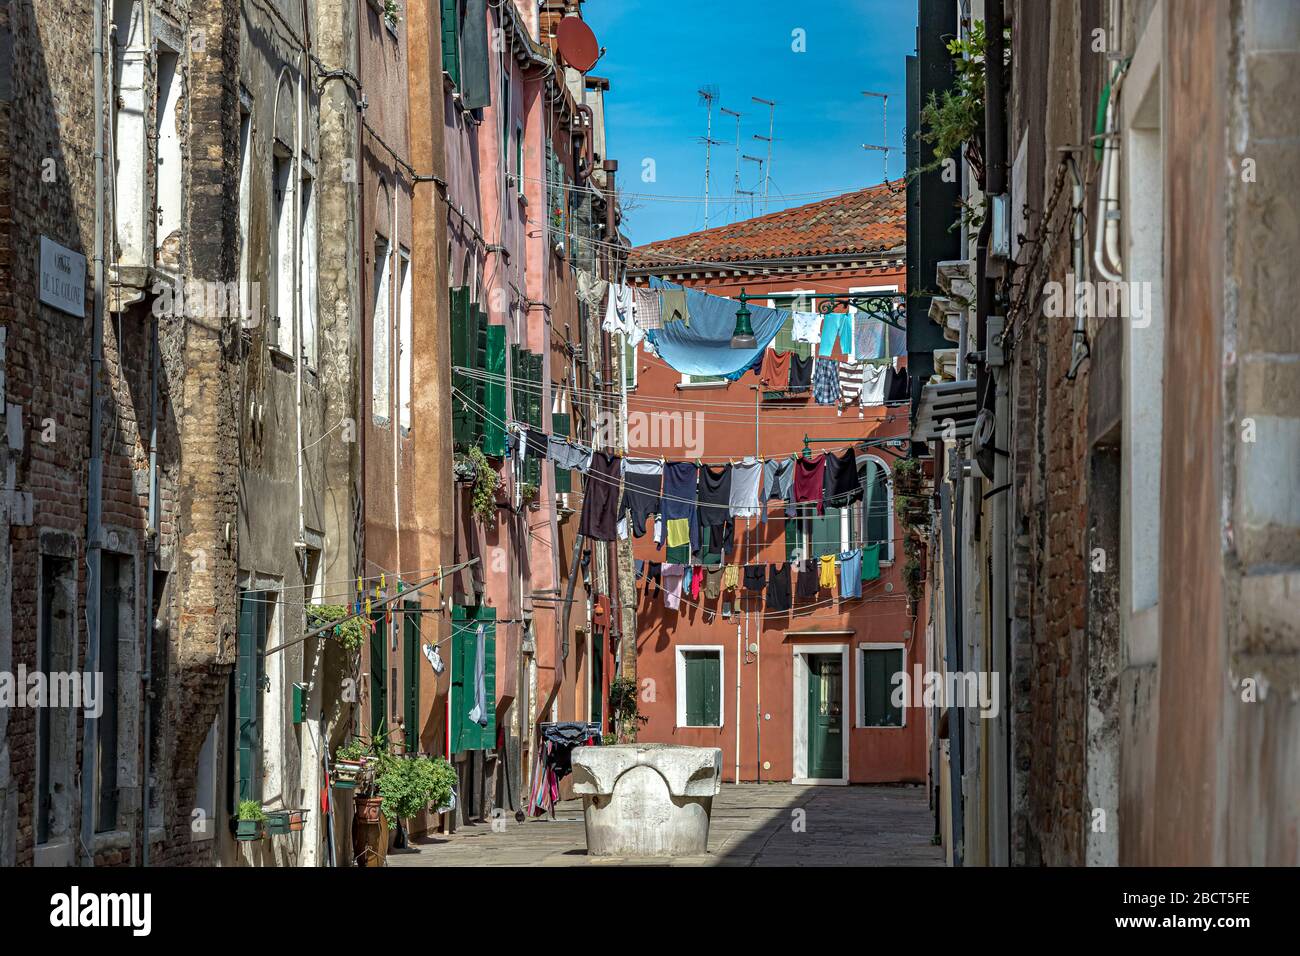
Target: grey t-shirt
[
  {"x": 565, "y": 454},
  {"x": 778, "y": 482},
  {"x": 744, "y": 488}
]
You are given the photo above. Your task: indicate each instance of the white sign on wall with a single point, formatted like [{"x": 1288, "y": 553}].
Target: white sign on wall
[{"x": 63, "y": 278}]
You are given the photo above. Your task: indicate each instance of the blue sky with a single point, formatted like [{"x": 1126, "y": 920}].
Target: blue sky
[{"x": 660, "y": 52}]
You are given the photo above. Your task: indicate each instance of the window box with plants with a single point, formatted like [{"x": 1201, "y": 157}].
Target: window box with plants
[
  {"x": 284, "y": 822},
  {"x": 250, "y": 824}
]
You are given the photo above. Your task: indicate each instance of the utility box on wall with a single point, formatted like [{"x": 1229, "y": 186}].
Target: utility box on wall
[{"x": 299, "y": 703}]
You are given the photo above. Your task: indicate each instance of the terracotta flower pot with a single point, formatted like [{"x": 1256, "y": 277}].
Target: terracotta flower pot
[{"x": 369, "y": 832}]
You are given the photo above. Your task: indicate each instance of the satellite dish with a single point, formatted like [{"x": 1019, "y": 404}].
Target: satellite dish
[{"x": 577, "y": 43}]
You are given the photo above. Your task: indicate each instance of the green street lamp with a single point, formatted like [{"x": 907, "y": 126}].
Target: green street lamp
[{"x": 743, "y": 337}]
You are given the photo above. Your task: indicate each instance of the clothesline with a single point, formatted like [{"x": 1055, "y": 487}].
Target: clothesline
[
  {"x": 646, "y": 453},
  {"x": 743, "y": 411}
]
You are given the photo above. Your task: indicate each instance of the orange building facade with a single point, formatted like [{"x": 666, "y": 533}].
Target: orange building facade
[{"x": 801, "y": 695}]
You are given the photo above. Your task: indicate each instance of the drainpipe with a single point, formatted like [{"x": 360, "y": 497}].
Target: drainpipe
[
  {"x": 94, "y": 493},
  {"x": 146, "y": 676},
  {"x": 999, "y": 847}
]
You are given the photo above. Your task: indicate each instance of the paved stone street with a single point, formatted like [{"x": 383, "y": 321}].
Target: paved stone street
[{"x": 753, "y": 825}]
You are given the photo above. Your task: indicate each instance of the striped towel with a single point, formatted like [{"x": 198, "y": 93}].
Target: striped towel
[{"x": 851, "y": 381}]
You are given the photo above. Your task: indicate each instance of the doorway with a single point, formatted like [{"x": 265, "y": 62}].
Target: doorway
[{"x": 821, "y": 753}]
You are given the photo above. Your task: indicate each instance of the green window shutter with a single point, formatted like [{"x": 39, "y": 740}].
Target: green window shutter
[
  {"x": 875, "y": 502},
  {"x": 878, "y": 670},
  {"x": 533, "y": 469},
  {"x": 451, "y": 39},
  {"x": 464, "y": 338},
  {"x": 703, "y": 688},
  {"x": 251, "y": 667},
  {"x": 825, "y": 533},
  {"x": 791, "y": 537},
  {"x": 494, "y": 430},
  {"x": 411, "y": 680},
  {"x": 563, "y": 476},
  {"x": 465, "y": 734},
  {"x": 378, "y": 675}
]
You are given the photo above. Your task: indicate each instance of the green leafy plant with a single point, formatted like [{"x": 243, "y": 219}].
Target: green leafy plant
[
  {"x": 485, "y": 486},
  {"x": 392, "y": 12},
  {"x": 954, "y": 120},
  {"x": 409, "y": 784},
  {"x": 353, "y": 750},
  {"x": 528, "y": 492},
  {"x": 624, "y": 709},
  {"x": 913, "y": 579},
  {"x": 350, "y": 631},
  {"x": 251, "y": 810}
]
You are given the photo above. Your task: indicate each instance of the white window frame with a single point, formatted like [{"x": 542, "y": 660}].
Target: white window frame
[
  {"x": 679, "y": 690},
  {"x": 793, "y": 294},
  {"x": 308, "y": 266},
  {"x": 246, "y": 298},
  {"x": 381, "y": 391},
  {"x": 206, "y": 775},
  {"x": 169, "y": 187},
  {"x": 283, "y": 226},
  {"x": 860, "y": 671},
  {"x": 405, "y": 332}
]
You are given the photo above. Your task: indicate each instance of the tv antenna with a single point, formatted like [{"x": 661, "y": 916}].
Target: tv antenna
[
  {"x": 753, "y": 192},
  {"x": 735, "y": 186},
  {"x": 884, "y": 112},
  {"x": 771, "y": 135},
  {"x": 708, "y": 94}
]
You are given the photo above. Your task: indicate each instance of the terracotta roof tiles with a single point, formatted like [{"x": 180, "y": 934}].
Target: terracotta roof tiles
[{"x": 870, "y": 220}]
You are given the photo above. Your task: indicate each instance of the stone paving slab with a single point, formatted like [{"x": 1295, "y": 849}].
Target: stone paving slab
[{"x": 752, "y": 825}]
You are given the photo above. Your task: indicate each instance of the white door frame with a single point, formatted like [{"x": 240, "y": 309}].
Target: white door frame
[{"x": 799, "y": 684}]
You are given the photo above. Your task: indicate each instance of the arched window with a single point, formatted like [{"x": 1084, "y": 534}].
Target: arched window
[{"x": 876, "y": 517}]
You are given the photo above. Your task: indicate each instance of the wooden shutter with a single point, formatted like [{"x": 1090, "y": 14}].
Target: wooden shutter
[
  {"x": 411, "y": 679},
  {"x": 563, "y": 476},
  {"x": 465, "y": 734},
  {"x": 825, "y": 533},
  {"x": 494, "y": 388},
  {"x": 451, "y": 39},
  {"x": 378, "y": 675},
  {"x": 251, "y": 620},
  {"x": 703, "y": 689},
  {"x": 878, "y": 670},
  {"x": 875, "y": 503},
  {"x": 533, "y": 469},
  {"x": 464, "y": 339}
]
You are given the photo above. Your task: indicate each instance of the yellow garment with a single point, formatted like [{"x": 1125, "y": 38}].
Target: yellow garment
[
  {"x": 731, "y": 578},
  {"x": 679, "y": 532},
  {"x": 826, "y": 576}
]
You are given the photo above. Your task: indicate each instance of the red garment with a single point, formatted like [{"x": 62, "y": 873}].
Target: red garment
[
  {"x": 808, "y": 477},
  {"x": 775, "y": 373},
  {"x": 697, "y": 578}
]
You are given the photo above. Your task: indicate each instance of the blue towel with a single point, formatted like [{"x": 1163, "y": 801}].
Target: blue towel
[{"x": 704, "y": 347}]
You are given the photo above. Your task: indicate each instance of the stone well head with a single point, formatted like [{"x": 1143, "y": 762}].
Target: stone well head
[{"x": 647, "y": 800}]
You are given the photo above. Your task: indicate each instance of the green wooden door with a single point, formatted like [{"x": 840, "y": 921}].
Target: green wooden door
[
  {"x": 825, "y": 716},
  {"x": 411, "y": 674}
]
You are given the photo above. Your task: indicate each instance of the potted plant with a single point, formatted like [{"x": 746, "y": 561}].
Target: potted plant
[
  {"x": 251, "y": 819},
  {"x": 408, "y": 785},
  {"x": 350, "y": 762}
]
